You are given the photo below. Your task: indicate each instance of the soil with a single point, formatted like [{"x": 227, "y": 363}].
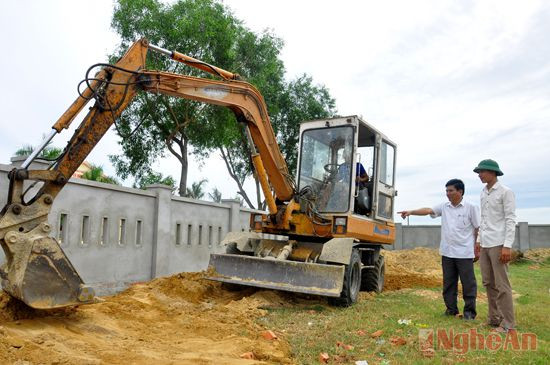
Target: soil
[
  {"x": 181, "y": 319},
  {"x": 420, "y": 267},
  {"x": 537, "y": 254}
]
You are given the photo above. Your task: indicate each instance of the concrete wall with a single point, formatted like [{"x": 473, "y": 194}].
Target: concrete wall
[
  {"x": 115, "y": 235},
  {"x": 528, "y": 236}
]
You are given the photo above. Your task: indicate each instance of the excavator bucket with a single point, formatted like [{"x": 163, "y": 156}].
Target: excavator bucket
[
  {"x": 293, "y": 276},
  {"x": 38, "y": 272}
]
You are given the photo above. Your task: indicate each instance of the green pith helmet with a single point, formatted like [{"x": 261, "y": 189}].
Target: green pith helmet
[{"x": 490, "y": 165}]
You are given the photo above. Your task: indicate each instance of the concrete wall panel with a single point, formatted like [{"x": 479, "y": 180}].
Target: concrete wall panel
[{"x": 115, "y": 235}]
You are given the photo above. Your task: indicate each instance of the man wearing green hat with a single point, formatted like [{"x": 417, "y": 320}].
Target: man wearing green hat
[{"x": 495, "y": 239}]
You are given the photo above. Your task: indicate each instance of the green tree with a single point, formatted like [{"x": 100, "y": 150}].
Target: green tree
[
  {"x": 215, "y": 195},
  {"x": 207, "y": 30},
  {"x": 203, "y": 29},
  {"x": 96, "y": 173},
  {"x": 48, "y": 153},
  {"x": 153, "y": 177},
  {"x": 197, "y": 190},
  {"x": 240, "y": 199},
  {"x": 302, "y": 100}
]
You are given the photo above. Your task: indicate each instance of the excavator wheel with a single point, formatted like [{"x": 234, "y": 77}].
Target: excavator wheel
[
  {"x": 352, "y": 282},
  {"x": 373, "y": 279}
]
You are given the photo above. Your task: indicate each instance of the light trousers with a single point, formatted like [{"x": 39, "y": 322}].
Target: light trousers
[{"x": 499, "y": 291}]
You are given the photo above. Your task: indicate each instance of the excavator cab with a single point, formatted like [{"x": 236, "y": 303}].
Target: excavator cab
[
  {"x": 336, "y": 251},
  {"x": 349, "y": 166}
]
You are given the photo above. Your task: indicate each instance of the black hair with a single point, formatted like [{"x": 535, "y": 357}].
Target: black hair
[{"x": 457, "y": 183}]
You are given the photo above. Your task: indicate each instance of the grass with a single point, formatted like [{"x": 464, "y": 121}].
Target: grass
[{"x": 312, "y": 327}]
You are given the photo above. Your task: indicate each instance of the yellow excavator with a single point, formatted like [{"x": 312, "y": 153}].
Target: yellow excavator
[{"x": 322, "y": 234}]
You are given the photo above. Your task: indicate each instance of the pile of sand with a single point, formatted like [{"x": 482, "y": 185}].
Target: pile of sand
[
  {"x": 537, "y": 254},
  {"x": 420, "y": 267},
  {"x": 179, "y": 319}
]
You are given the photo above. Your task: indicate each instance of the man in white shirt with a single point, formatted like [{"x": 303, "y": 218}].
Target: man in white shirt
[
  {"x": 459, "y": 228},
  {"x": 496, "y": 236}
]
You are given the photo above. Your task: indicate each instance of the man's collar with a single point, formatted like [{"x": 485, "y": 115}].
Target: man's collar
[
  {"x": 494, "y": 187},
  {"x": 458, "y": 205}
]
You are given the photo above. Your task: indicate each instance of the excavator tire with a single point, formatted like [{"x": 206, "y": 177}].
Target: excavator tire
[
  {"x": 373, "y": 279},
  {"x": 352, "y": 282}
]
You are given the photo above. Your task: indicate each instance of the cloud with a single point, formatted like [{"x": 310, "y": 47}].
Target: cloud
[{"x": 450, "y": 82}]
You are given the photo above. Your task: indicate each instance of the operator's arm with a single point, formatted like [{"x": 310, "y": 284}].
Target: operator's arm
[
  {"x": 362, "y": 175},
  {"x": 420, "y": 211},
  {"x": 363, "y": 178}
]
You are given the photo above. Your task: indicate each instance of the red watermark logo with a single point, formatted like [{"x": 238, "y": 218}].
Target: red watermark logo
[{"x": 462, "y": 342}]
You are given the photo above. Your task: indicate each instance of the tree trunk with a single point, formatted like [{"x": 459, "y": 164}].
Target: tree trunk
[
  {"x": 184, "y": 167},
  {"x": 183, "y": 179},
  {"x": 182, "y": 142},
  {"x": 182, "y": 158},
  {"x": 229, "y": 164}
]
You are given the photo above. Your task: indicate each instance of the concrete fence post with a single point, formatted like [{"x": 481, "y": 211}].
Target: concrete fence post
[
  {"x": 398, "y": 245},
  {"x": 160, "y": 254},
  {"x": 234, "y": 221},
  {"x": 523, "y": 236}
]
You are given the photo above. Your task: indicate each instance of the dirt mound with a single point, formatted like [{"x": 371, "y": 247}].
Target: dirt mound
[
  {"x": 178, "y": 319},
  {"x": 420, "y": 267},
  {"x": 537, "y": 254},
  {"x": 13, "y": 310},
  {"x": 181, "y": 319}
]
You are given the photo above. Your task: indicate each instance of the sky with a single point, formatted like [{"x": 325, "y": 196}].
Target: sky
[{"x": 451, "y": 82}]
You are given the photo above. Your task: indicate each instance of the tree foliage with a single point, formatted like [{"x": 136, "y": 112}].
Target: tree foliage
[
  {"x": 215, "y": 195},
  {"x": 302, "y": 100},
  {"x": 204, "y": 29},
  {"x": 96, "y": 173},
  {"x": 207, "y": 30},
  {"x": 48, "y": 153},
  {"x": 196, "y": 191},
  {"x": 153, "y": 177}
]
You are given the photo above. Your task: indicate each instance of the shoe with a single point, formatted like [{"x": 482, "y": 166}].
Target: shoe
[
  {"x": 502, "y": 330},
  {"x": 492, "y": 325},
  {"x": 468, "y": 317},
  {"x": 450, "y": 314}
]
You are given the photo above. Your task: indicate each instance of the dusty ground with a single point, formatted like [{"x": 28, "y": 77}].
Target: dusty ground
[
  {"x": 420, "y": 267},
  {"x": 177, "y": 320},
  {"x": 537, "y": 255},
  {"x": 181, "y": 319}
]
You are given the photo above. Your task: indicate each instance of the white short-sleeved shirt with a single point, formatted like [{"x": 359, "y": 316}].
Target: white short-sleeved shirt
[{"x": 457, "y": 228}]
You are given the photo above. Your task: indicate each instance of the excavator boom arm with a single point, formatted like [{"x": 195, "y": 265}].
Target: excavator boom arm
[
  {"x": 121, "y": 87},
  {"x": 247, "y": 104},
  {"x": 37, "y": 270}
]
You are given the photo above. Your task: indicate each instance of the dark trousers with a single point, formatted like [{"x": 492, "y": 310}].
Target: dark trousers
[{"x": 463, "y": 269}]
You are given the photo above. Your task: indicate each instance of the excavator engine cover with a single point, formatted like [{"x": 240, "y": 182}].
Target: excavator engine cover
[
  {"x": 38, "y": 272},
  {"x": 264, "y": 272}
]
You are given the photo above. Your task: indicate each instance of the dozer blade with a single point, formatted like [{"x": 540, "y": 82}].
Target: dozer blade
[
  {"x": 294, "y": 276},
  {"x": 38, "y": 272}
]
